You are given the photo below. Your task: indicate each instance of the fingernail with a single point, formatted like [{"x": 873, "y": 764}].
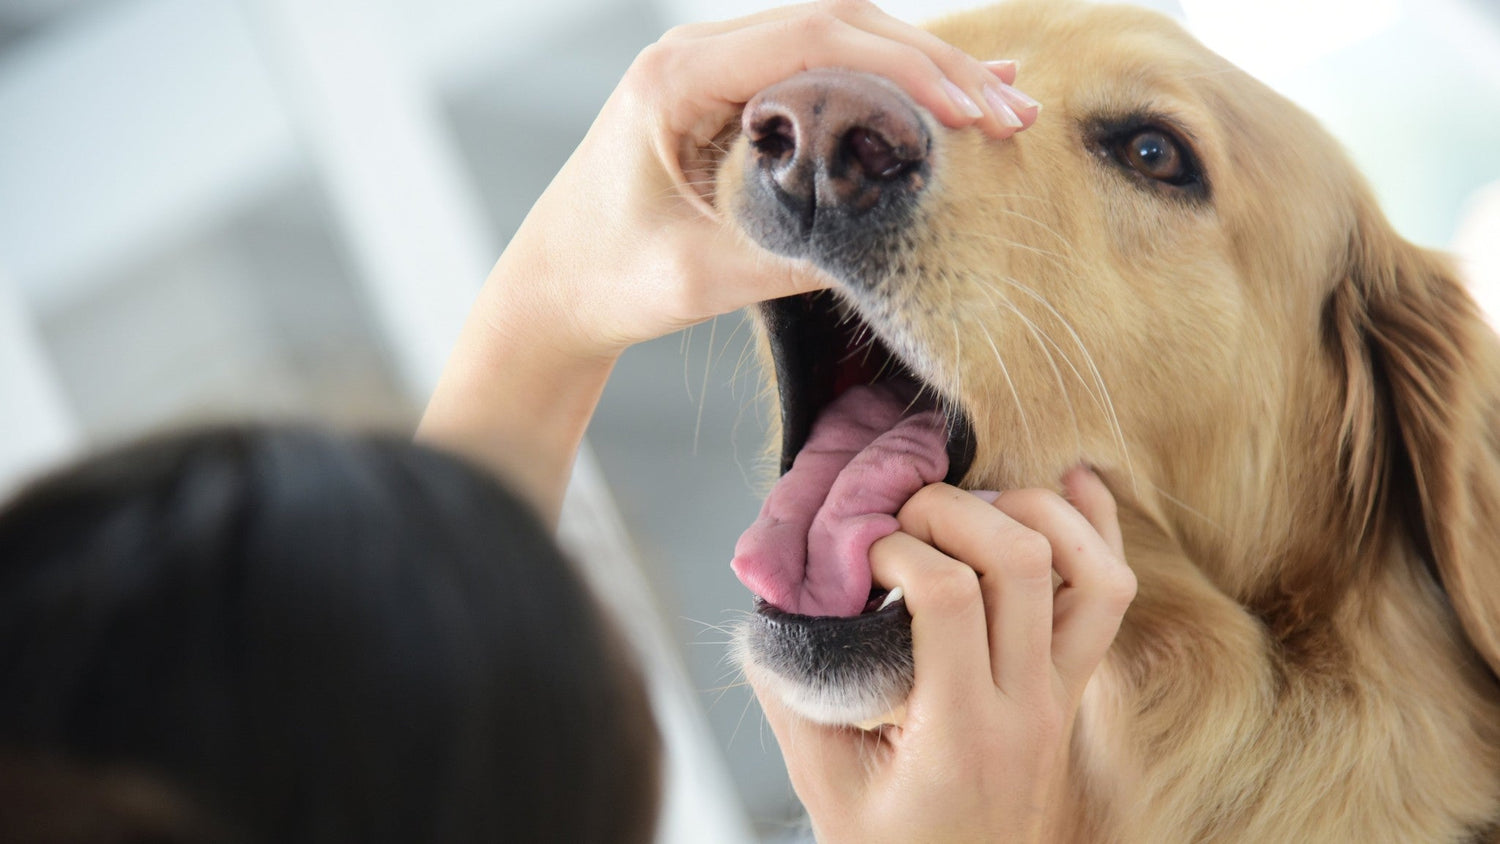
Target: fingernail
[
  {"x": 1003, "y": 112},
  {"x": 1018, "y": 98},
  {"x": 962, "y": 100},
  {"x": 988, "y": 496},
  {"x": 998, "y": 66}
]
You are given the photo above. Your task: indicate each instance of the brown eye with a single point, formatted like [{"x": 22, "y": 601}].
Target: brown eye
[
  {"x": 1152, "y": 154},
  {"x": 1155, "y": 154}
]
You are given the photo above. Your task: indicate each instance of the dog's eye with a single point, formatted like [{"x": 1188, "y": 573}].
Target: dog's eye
[{"x": 1154, "y": 154}]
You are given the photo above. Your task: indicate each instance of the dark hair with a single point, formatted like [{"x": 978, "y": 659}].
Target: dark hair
[{"x": 317, "y": 637}]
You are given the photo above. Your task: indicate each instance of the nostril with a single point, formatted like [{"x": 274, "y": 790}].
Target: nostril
[
  {"x": 774, "y": 137},
  {"x": 834, "y": 160},
  {"x": 876, "y": 156}
]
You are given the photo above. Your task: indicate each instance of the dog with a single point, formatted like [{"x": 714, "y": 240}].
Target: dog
[{"x": 1176, "y": 277}]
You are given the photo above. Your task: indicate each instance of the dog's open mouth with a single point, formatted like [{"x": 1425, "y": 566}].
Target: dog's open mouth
[{"x": 862, "y": 433}]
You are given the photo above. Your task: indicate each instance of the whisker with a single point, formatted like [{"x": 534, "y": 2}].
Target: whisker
[
  {"x": 707, "y": 626},
  {"x": 1005, "y": 371},
  {"x": 708, "y": 365},
  {"x": 685, "y": 349},
  {"x": 1056, "y": 259},
  {"x": 730, "y": 339},
  {"x": 736, "y": 731},
  {"x": 1038, "y": 223},
  {"x": 1043, "y": 341},
  {"x": 1108, "y": 401},
  {"x": 1185, "y": 507}
]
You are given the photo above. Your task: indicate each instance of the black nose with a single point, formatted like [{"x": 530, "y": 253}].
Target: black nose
[{"x": 831, "y": 150}]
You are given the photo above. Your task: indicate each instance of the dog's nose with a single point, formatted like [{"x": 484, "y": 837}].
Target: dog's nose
[{"x": 833, "y": 140}]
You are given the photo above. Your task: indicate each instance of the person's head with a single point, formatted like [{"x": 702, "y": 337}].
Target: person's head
[{"x": 289, "y": 635}]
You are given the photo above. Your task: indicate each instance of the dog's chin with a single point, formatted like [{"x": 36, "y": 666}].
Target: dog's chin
[{"x": 830, "y": 670}]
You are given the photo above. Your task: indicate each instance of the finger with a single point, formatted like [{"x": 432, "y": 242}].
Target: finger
[
  {"x": 1088, "y": 494},
  {"x": 949, "y": 646},
  {"x": 730, "y": 68},
  {"x": 1004, "y": 110},
  {"x": 1014, "y": 564},
  {"x": 746, "y": 273},
  {"x": 705, "y": 29},
  {"x": 1020, "y": 103},
  {"x": 1004, "y": 69},
  {"x": 1096, "y": 588},
  {"x": 1023, "y": 106}
]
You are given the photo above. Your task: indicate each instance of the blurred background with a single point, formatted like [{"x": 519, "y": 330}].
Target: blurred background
[{"x": 281, "y": 208}]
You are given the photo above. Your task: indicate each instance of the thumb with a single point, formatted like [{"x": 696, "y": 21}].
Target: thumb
[
  {"x": 739, "y": 272},
  {"x": 828, "y": 765}
]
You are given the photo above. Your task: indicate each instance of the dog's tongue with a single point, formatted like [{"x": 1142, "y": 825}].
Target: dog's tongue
[{"x": 809, "y": 552}]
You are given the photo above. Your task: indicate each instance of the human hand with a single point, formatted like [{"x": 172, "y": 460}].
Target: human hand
[
  {"x": 1002, "y": 659},
  {"x": 625, "y": 244}
]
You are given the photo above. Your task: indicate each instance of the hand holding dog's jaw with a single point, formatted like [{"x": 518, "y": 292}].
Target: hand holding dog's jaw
[{"x": 975, "y": 752}]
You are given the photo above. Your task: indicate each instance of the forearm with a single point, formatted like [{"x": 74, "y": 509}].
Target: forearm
[{"x": 515, "y": 395}]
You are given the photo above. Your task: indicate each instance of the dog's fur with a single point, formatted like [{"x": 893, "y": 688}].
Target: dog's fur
[{"x": 1295, "y": 409}]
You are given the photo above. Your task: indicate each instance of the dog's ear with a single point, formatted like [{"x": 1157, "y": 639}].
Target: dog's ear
[{"x": 1421, "y": 447}]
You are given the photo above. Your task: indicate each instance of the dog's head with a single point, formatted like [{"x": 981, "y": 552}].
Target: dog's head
[{"x": 1174, "y": 276}]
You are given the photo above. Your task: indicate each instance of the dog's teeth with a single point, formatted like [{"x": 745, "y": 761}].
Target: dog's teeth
[{"x": 891, "y": 597}]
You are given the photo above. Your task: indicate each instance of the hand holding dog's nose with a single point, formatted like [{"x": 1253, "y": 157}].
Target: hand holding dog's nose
[
  {"x": 638, "y": 194},
  {"x": 626, "y": 244}
]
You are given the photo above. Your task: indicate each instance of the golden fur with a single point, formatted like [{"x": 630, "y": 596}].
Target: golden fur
[{"x": 1295, "y": 408}]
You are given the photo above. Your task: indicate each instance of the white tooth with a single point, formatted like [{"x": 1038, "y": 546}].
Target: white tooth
[{"x": 891, "y": 597}]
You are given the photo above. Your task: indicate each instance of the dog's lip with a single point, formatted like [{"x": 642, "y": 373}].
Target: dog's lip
[{"x": 796, "y": 623}]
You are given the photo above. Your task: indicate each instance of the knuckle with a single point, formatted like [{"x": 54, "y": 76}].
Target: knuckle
[
  {"x": 951, "y": 589},
  {"x": 1121, "y": 587},
  {"x": 1028, "y": 503},
  {"x": 681, "y": 32},
  {"x": 653, "y": 63},
  {"x": 1028, "y": 555},
  {"x": 1045, "y": 501},
  {"x": 932, "y": 495},
  {"x": 846, "y": 9},
  {"x": 924, "y": 495},
  {"x": 947, "y": 54},
  {"x": 821, "y": 23}
]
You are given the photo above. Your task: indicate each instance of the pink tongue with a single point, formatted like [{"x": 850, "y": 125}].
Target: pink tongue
[{"x": 809, "y": 552}]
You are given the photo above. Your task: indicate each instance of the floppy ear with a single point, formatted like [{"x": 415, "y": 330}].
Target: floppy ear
[{"x": 1420, "y": 417}]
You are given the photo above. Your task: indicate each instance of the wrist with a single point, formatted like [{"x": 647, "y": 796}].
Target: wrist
[
  {"x": 520, "y": 386},
  {"x": 533, "y": 306}
]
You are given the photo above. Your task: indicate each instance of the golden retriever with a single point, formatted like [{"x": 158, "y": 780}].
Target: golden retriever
[{"x": 1177, "y": 277}]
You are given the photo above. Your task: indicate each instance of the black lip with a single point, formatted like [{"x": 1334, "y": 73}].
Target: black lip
[
  {"x": 889, "y": 621},
  {"x": 863, "y": 660},
  {"x": 808, "y": 338}
]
